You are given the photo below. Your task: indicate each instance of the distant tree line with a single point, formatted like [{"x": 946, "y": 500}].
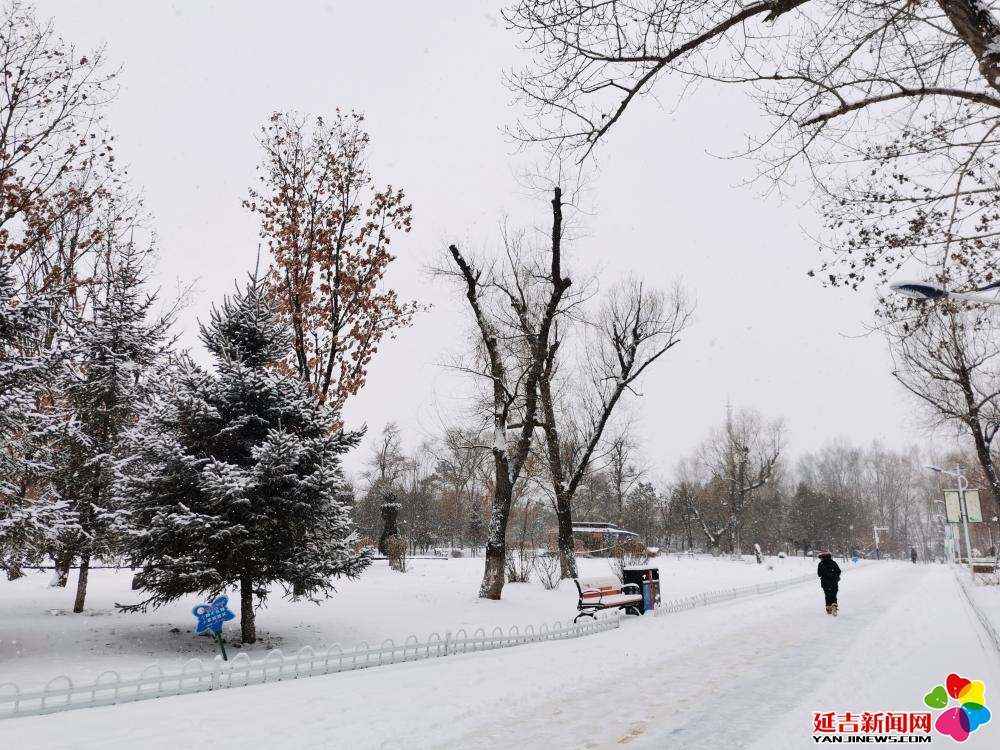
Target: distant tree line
[{"x": 834, "y": 497}]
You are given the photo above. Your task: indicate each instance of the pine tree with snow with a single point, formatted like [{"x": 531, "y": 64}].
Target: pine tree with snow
[
  {"x": 237, "y": 482},
  {"x": 100, "y": 391},
  {"x": 30, "y": 514}
]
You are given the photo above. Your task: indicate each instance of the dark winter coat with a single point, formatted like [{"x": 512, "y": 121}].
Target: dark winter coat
[{"x": 828, "y": 571}]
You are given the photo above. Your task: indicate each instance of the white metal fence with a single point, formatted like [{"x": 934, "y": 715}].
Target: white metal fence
[
  {"x": 713, "y": 597},
  {"x": 62, "y": 693}
]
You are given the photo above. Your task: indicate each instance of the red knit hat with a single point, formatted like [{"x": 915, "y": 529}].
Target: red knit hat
[{"x": 824, "y": 553}]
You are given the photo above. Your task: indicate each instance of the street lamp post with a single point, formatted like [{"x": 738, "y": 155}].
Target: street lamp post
[
  {"x": 947, "y": 543},
  {"x": 878, "y": 551},
  {"x": 962, "y": 510}
]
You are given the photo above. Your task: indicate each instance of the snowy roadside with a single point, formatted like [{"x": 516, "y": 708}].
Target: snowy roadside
[
  {"x": 40, "y": 639},
  {"x": 748, "y": 673},
  {"x": 984, "y": 591}
]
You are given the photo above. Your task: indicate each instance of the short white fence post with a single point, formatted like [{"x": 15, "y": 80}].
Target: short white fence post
[{"x": 216, "y": 672}]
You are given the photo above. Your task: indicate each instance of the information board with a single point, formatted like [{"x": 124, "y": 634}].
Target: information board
[{"x": 973, "y": 508}]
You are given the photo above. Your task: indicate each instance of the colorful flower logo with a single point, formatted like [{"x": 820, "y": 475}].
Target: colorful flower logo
[{"x": 959, "y": 721}]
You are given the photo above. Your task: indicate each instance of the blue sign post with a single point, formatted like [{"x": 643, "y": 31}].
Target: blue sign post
[{"x": 211, "y": 617}]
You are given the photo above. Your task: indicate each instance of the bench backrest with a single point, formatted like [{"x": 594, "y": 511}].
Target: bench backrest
[{"x": 601, "y": 586}]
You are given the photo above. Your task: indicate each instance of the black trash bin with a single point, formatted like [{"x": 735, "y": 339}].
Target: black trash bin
[{"x": 648, "y": 580}]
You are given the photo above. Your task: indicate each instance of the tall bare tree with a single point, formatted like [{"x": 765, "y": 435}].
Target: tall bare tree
[
  {"x": 524, "y": 296},
  {"x": 947, "y": 357},
  {"x": 458, "y": 469},
  {"x": 634, "y": 329},
  {"x": 719, "y": 486},
  {"x": 623, "y": 469},
  {"x": 692, "y": 494}
]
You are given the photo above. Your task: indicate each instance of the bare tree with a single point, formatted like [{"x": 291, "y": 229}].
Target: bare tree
[
  {"x": 531, "y": 293},
  {"x": 890, "y": 486},
  {"x": 623, "y": 470},
  {"x": 692, "y": 493},
  {"x": 832, "y": 497},
  {"x": 889, "y": 106},
  {"x": 386, "y": 466},
  {"x": 388, "y": 460},
  {"x": 458, "y": 467},
  {"x": 56, "y": 157},
  {"x": 742, "y": 456},
  {"x": 634, "y": 329},
  {"x": 947, "y": 357}
]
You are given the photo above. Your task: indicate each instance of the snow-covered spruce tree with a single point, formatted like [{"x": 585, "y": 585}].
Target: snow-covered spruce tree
[
  {"x": 237, "y": 481},
  {"x": 113, "y": 348},
  {"x": 30, "y": 514}
]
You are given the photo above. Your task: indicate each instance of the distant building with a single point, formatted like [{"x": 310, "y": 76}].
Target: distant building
[{"x": 598, "y": 537}]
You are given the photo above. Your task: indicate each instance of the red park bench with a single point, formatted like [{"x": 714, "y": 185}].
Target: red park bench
[{"x": 597, "y": 594}]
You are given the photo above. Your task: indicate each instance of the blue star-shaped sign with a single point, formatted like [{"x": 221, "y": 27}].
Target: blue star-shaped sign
[{"x": 211, "y": 616}]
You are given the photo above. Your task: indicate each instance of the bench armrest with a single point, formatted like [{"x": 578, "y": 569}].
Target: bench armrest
[{"x": 631, "y": 586}]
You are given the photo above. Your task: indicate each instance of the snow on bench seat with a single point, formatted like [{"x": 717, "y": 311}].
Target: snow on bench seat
[{"x": 597, "y": 594}]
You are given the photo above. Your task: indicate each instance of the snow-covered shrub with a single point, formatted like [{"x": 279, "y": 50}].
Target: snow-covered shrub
[
  {"x": 546, "y": 566},
  {"x": 626, "y": 553},
  {"x": 519, "y": 563},
  {"x": 395, "y": 549}
]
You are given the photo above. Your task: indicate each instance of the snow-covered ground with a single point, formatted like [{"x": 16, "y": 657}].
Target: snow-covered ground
[
  {"x": 749, "y": 673},
  {"x": 985, "y": 590},
  {"x": 41, "y": 638}
]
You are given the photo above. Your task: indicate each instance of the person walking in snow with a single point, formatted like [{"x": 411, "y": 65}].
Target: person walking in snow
[
  {"x": 913, "y": 555},
  {"x": 829, "y": 578}
]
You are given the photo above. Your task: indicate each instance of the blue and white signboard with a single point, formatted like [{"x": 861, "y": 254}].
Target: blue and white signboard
[{"x": 212, "y": 616}]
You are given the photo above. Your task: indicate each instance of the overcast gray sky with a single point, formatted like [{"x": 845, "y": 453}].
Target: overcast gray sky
[{"x": 198, "y": 79}]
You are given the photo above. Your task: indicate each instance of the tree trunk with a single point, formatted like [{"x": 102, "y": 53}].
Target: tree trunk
[
  {"x": 506, "y": 468},
  {"x": 496, "y": 540},
  {"x": 63, "y": 563},
  {"x": 493, "y": 575},
  {"x": 248, "y": 629},
  {"x": 81, "y": 584},
  {"x": 977, "y": 27},
  {"x": 14, "y": 571},
  {"x": 567, "y": 547},
  {"x": 564, "y": 494},
  {"x": 974, "y": 423}
]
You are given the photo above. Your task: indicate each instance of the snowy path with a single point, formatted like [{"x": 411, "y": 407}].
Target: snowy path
[
  {"x": 744, "y": 674},
  {"x": 756, "y": 678}
]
